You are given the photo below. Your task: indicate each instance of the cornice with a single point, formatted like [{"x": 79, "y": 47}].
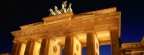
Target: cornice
[
  {"x": 33, "y": 25},
  {"x": 103, "y": 22}
]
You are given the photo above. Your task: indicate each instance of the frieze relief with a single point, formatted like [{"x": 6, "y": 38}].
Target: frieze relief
[{"x": 106, "y": 21}]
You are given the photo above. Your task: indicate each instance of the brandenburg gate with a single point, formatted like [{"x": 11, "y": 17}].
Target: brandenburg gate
[{"x": 70, "y": 32}]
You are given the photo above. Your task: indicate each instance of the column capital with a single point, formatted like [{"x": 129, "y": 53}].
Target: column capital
[
  {"x": 45, "y": 38},
  {"x": 16, "y": 41},
  {"x": 30, "y": 39},
  {"x": 71, "y": 34}
]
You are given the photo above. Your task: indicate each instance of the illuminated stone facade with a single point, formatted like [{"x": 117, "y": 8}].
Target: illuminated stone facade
[
  {"x": 135, "y": 48},
  {"x": 70, "y": 32}
]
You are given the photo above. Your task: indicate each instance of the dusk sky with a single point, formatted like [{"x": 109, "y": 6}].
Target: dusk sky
[{"x": 17, "y": 13}]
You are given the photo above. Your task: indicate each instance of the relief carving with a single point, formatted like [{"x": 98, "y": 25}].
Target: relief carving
[
  {"x": 77, "y": 47},
  {"x": 54, "y": 49}
]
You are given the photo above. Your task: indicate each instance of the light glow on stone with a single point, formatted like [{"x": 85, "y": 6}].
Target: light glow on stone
[{"x": 56, "y": 42}]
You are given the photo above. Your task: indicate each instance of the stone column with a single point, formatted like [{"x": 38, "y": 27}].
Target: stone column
[
  {"x": 115, "y": 42},
  {"x": 68, "y": 50},
  {"x": 19, "y": 48},
  {"x": 143, "y": 53},
  {"x": 91, "y": 46},
  {"x": 16, "y": 48},
  {"x": 44, "y": 49},
  {"x": 132, "y": 53},
  {"x": 61, "y": 48},
  {"x": 29, "y": 47},
  {"x": 122, "y": 51}
]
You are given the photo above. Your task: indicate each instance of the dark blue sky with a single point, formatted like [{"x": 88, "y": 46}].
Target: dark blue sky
[{"x": 16, "y": 13}]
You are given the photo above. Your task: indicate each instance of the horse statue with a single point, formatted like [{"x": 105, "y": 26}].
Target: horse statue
[
  {"x": 63, "y": 9},
  {"x": 56, "y": 10},
  {"x": 69, "y": 8},
  {"x": 51, "y": 12}
]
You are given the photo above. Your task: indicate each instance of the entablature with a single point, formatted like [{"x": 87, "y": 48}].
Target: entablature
[
  {"x": 132, "y": 45},
  {"x": 68, "y": 16},
  {"x": 103, "y": 22}
]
